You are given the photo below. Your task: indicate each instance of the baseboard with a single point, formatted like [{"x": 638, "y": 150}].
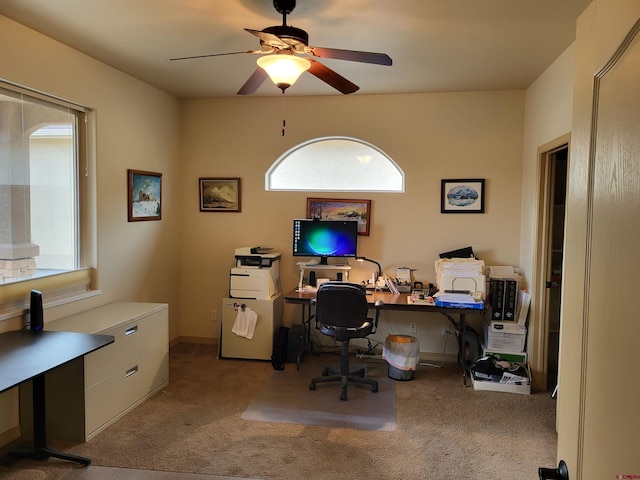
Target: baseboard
[
  {"x": 9, "y": 436},
  {"x": 198, "y": 340}
]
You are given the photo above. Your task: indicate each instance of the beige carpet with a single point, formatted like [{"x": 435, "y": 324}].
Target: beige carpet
[
  {"x": 286, "y": 398},
  {"x": 110, "y": 473},
  {"x": 195, "y": 426}
]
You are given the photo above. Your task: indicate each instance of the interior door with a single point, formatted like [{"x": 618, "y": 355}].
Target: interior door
[{"x": 609, "y": 420}]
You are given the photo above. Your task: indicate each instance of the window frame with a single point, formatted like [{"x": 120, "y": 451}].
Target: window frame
[
  {"x": 63, "y": 287},
  {"x": 297, "y": 148}
]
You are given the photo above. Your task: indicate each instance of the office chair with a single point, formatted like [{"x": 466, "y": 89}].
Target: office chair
[{"x": 341, "y": 313}]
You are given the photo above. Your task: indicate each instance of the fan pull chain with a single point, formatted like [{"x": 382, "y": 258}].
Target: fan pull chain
[{"x": 284, "y": 121}]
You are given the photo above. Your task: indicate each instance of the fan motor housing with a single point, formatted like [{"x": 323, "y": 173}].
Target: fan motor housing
[{"x": 293, "y": 36}]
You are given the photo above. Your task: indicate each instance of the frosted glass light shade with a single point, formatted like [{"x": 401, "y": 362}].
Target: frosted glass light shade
[{"x": 284, "y": 70}]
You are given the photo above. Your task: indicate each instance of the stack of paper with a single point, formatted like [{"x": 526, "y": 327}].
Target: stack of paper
[
  {"x": 460, "y": 274},
  {"x": 459, "y": 300}
]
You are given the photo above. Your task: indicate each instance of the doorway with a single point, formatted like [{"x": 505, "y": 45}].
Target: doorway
[
  {"x": 557, "y": 160},
  {"x": 553, "y": 160}
]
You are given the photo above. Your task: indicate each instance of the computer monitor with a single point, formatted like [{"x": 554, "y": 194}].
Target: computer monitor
[{"x": 325, "y": 238}]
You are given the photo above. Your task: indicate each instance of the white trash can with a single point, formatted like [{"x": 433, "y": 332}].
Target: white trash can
[{"x": 401, "y": 353}]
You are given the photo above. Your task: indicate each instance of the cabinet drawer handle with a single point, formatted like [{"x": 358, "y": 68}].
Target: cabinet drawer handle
[
  {"x": 130, "y": 330},
  {"x": 131, "y": 371}
]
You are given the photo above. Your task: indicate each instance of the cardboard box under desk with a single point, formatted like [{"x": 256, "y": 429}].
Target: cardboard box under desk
[
  {"x": 510, "y": 356},
  {"x": 505, "y": 336},
  {"x": 502, "y": 387}
]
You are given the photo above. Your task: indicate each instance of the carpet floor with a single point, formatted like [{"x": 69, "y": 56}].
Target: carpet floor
[
  {"x": 195, "y": 426},
  {"x": 286, "y": 398}
]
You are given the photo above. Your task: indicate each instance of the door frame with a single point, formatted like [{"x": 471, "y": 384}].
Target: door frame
[{"x": 539, "y": 329}]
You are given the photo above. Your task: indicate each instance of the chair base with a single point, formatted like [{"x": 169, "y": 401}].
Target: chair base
[{"x": 344, "y": 376}]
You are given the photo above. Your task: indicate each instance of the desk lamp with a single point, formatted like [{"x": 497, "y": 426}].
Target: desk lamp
[{"x": 365, "y": 259}]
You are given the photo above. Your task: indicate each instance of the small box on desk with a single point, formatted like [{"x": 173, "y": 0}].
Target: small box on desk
[{"x": 505, "y": 336}]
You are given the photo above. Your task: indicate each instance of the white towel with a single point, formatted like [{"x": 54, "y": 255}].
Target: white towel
[{"x": 245, "y": 323}]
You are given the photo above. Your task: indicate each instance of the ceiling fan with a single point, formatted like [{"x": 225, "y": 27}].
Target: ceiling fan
[{"x": 281, "y": 46}]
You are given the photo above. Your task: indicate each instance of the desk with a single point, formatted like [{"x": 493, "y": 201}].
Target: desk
[
  {"x": 391, "y": 301},
  {"x": 27, "y": 355}
]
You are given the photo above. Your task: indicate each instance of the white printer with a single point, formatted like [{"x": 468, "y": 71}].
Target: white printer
[{"x": 256, "y": 274}]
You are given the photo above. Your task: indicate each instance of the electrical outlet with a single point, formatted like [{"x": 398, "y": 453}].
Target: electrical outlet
[
  {"x": 214, "y": 316},
  {"x": 445, "y": 330},
  {"x": 412, "y": 328}
]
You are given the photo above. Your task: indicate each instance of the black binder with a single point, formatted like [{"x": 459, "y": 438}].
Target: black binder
[
  {"x": 496, "y": 297},
  {"x": 510, "y": 299}
]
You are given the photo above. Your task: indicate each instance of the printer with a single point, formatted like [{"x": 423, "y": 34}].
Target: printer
[{"x": 256, "y": 274}]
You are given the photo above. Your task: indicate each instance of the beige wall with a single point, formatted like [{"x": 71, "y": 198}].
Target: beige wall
[
  {"x": 430, "y": 136},
  {"x": 136, "y": 127},
  {"x": 547, "y": 117}
]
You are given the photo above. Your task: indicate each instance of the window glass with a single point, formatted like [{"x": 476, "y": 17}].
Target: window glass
[
  {"x": 39, "y": 221},
  {"x": 339, "y": 164}
]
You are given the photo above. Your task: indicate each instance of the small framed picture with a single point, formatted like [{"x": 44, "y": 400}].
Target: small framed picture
[
  {"x": 462, "y": 196},
  {"x": 144, "y": 191},
  {"x": 339, "y": 209},
  {"x": 220, "y": 195}
]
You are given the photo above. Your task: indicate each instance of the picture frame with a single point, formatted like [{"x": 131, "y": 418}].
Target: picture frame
[
  {"x": 220, "y": 194},
  {"x": 341, "y": 209},
  {"x": 144, "y": 196},
  {"x": 462, "y": 195}
]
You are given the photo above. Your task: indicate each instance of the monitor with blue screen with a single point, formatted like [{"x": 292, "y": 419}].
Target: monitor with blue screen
[{"x": 325, "y": 238}]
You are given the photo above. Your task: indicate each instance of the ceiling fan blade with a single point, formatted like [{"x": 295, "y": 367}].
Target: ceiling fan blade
[
  {"x": 214, "y": 55},
  {"x": 332, "y": 78},
  {"x": 268, "y": 38},
  {"x": 351, "y": 55},
  {"x": 253, "y": 82}
]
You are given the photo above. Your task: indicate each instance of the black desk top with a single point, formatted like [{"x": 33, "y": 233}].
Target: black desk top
[{"x": 25, "y": 354}]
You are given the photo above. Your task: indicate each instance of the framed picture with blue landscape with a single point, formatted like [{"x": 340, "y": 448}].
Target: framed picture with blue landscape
[
  {"x": 462, "y": 195},
  {"x": 144, "y": 192}
]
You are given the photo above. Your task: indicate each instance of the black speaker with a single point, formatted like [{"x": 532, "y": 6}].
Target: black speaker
[
  {"x": 312, "y": 278},
  {"x": 36, "y": 312}
]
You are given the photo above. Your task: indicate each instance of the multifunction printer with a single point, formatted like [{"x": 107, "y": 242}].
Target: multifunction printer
[{"x": 256, "y": 274}]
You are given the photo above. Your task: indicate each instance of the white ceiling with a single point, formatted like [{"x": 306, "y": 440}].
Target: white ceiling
[{"x": 436, "y": 45}]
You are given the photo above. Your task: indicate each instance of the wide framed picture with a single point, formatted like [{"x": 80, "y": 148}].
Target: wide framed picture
[
  {"x": 220, "y": 195},
  {"x": 462, "y": 196},
  {"x": 144, "y": 196},
  {"x": 341, "y": 209}
]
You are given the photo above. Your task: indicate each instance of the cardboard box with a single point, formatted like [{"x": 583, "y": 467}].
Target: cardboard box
[
  {"x": 516, "y": 357},
  {"x": 502, "y": 387},
  {"x": 507, "y": 336}
]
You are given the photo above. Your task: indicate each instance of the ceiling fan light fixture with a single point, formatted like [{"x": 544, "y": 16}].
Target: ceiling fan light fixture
[{"x": 284, "y": 70}]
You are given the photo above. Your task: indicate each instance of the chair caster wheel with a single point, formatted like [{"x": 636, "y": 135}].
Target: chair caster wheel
[
  {"x": 326, "y": 372},
  {"x": 374, "y": 388},
  {"x": 312, "y": 386}
]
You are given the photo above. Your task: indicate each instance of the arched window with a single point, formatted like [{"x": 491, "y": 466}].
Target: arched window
[{"x": 335, "y": 164}]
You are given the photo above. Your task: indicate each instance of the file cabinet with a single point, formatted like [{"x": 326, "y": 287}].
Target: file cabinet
[{"x": 99, "y": 389}]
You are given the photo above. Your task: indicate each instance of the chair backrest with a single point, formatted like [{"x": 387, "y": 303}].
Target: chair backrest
[{"x": 341, "y": 304}]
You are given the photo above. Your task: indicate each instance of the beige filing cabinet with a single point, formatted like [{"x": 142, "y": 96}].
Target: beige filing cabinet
[
  {"x": 269, "y": 320},
  {"x": 91, "y": 393}
]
